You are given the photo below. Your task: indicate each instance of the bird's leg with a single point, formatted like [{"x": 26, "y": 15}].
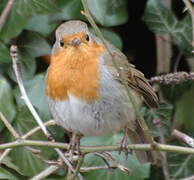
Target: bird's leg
[
  {"x": 124, "y": 143},
  {"x": 74, "y": 145}
]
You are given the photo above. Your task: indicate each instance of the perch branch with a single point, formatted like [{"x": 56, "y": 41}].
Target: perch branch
[
  {"x": 6, "y": 12},
  {"x": 92, "y": 149},
  {"x": 173, "y": 78},
  {"x": 183, "y": 137}
]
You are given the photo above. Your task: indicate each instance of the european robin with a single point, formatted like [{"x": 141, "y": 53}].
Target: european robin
[{"x": 85, "y": 93}]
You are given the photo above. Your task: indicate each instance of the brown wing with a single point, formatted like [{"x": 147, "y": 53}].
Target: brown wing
[{"x": 135, "y": 78}]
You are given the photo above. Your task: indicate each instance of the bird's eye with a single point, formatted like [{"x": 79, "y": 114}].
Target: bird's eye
[
  {"x": 61, "y": 43},
  {"x": 87, "y": 37}
]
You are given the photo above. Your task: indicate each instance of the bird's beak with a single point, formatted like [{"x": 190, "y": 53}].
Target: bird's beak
[{"x": 75, "y": 42}]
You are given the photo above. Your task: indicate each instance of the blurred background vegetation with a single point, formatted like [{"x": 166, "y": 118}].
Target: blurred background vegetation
[{"x": 156, "y": 35}]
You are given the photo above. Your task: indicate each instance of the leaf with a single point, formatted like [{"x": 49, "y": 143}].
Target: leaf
[
  {"x": 113, "y": 37},
  {"x": 7, "y": 106},
  {"x": 4, "y": 54},
  {"x": 161, "y": 20},
  {"x": 33, "y": 44},
  {"x": 163, "y": 113},
  {"x": 109, "y": 12},
  {"x": 180, "y": 161},
  {"x": 7, "y": 161},
  {"x": 4, "y": 174},
  {"x": 139, "y": 171},
  {"x": 182, "y": 35},
  {"x": 41, "y": 24},
  {"x": 20, "y": 13},
  {"x": 158, "y": 18},
  {"x": 70, "y": 9},
  {"x": 35, "y": 89},
  {"x": 27, "y": 162},
  {"x": 184, "y": 110}
]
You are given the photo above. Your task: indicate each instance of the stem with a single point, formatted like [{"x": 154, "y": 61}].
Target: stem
[
  {"x": 51, "y": 169},
  {"x": 92, "y": 149},
  {"x": 6, "y": 12}
]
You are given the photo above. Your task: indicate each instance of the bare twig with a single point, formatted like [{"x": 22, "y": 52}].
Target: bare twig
[
  {"x": 92, "y": 149},
  {"x": 183, "y": 137},
  {"x": 5, "y": 12},
  {"x": 51, "y": 169},
  {"x": 159, "y": 125},
  {"x": 188, "y": 178},
  {"x": 9, "y": 126},
  {"x": 17, "y": 70},
  {"x": 173, "y": 78}
]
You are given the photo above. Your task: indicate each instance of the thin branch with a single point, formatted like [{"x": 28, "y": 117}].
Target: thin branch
[
  {"x": 33, "y": 131},
  {"x": 142, "y": 122},
  {"x": 9, "y": 126},
  {"x": 17, "y": 70},
  {"x": 173, "y": 78},
  {"x": 188, "y": 178},
  {"x": 51, "y": 169},
  {"x": 6, "y": 12},
  {"x": 159, "y": 125},
  {"x": 183, "y": 137},
  {"x": 92, "y": 149},
  {"x": 4, "y": 154}
]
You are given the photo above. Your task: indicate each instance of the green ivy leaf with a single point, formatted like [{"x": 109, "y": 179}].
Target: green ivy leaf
[
  {"x": 33, "y": 44},
  {"x": 184, "y": 110},
  {"x": 41, "y": 24},
  {"x": 36, "y": 92},
  {"x": 7, "y": 106},
  {"x": 109, "y": 12},
  {"x": 161, "y": 20},
  {"x": 70, "y": 9},
  {"x": 20, "y": 13},
  {"x": 4, "y": 174},
  {"x": 158, "y": 18},
  {"x": 139, "y": 171},
  {"x": 163, "y": 113},
  {"x": 7, "y": 161},
  {"x": 4, "y": 54}
]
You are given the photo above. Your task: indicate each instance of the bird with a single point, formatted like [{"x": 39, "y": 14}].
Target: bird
[{"x": 85, "y": 92}]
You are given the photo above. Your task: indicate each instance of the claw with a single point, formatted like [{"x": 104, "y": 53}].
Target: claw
[
  {"x": 74, "y": 145},
  {"x": 124, "y": 144}
]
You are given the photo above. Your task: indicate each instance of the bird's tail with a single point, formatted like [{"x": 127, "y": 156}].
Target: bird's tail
[{"x": 137, "y": 136}]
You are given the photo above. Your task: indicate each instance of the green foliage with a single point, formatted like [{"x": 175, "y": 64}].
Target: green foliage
[
  {"x": 109, "y": 12},
  {"x": 31, "y": 25},
  {"x": 7, "y": 106},
  {"x": 161, "y": 20}
]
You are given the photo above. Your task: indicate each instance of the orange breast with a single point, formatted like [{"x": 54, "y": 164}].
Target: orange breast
[{"x": 75, "y": 70}]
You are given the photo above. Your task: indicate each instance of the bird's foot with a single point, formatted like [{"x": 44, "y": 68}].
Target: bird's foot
[
  {"x": 74, "y": 145},
  {"x": 124, "y": 144}
]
